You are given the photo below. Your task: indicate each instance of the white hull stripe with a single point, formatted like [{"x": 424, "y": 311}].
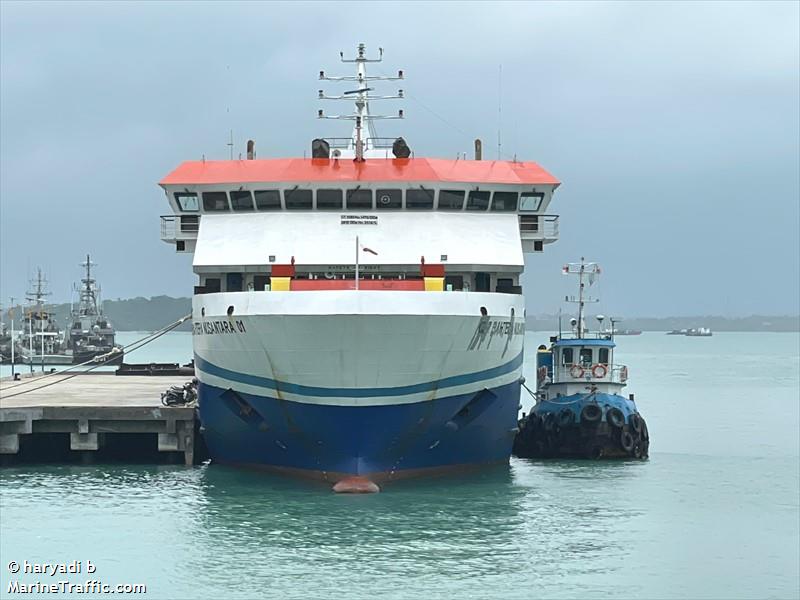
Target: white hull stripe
[{"x": 322, "y": 392}]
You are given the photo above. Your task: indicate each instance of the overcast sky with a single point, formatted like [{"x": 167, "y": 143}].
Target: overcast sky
[{"x": 673, "y": 127}]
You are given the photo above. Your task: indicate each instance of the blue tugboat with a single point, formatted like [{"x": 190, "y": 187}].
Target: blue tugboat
[{"x": 580, "y": 411}]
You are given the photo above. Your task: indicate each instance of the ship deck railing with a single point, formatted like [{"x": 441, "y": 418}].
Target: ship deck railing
[
  {"x": 179, "y": 227},
  {"x": 579, "y": 372},
  {"x": 538, "y": 227},
  {"x": 347, "y": 142}
]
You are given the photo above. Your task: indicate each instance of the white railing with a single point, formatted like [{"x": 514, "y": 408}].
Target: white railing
[
  {"x": 538, "y": 227},
  {"x": 179, "y": 227},
  {"x": 593, "y": 373}
]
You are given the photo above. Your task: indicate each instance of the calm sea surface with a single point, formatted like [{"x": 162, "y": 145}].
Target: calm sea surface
[{"x": 714, "y": 513}]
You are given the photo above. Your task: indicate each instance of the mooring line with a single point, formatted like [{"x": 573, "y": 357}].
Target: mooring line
[{"x": 126, "y": 350}]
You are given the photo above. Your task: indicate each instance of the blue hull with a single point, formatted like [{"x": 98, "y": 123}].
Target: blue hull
[{"x": 377, "y": 441}]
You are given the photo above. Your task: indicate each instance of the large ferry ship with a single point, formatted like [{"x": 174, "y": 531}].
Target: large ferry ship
[{"x": 359, "y": 312}]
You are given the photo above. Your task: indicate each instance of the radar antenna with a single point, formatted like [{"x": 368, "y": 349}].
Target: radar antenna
[{"x": 359, "y": 144}]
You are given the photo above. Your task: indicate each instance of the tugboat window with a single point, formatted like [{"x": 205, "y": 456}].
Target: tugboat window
[
  {"x": 586, "y": 356},
  {"x": 268, "y": 199},
  {"x": 530, "y": 201},
  {"x": 242, "y": 200},
  {"x": 329, "y": 199},
  {"x": 215, "y": 201},
  {"x": 478, "y": 201},
  {"x": 566, "y": 356},
  {"x": 297, "y": 199},
  {"x": 451, "y": 199},
  {"x": 389, "y": 199},
  {"x": 187, "y": 202},
  {"x": 420, "y": 198},
  {"x": 504, "y": 201},
  {"x": 359, "y": 198},
  {"x": 603, "y": 356}
]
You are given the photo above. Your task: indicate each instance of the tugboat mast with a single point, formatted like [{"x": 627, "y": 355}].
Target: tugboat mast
[{"x": 581, "y": 269}]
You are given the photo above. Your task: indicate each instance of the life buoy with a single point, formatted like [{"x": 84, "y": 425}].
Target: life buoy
[
  {"x": 599, "y": 371},
  {"x": 576, "y": 371},
  {"x": 615, "y": 417},
  {"x": 623, "y": 374},
  {"x": 330, "y": 275}
]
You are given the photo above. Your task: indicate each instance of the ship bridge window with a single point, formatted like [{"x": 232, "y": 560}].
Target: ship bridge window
[
  {"x": 421, "y": 198},
  {"x": 504, "y": 201},
  {"x": 530, "y": 201},
  {"x": 586, "y": 357},
  {"x": 359, "y": 198},
  {"x": 389, "y": 199},
  {"x": 215, "y": 201},
  {"x": 329, "y": 199},
  {"x": 187, "y": 202},
  {"x": 602, "y": 356},
  {"x": 297, "y": 199},
  {"x": 451, "y": 199},
  {"x": 566, "y": 356},
  {"x": 268, "y": 199},
  {"x": 478, "y": 201},
  {"x": 241, "y": 200}
]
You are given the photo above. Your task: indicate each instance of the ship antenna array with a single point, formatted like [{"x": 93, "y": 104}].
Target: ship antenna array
[
  {"x": 88, "y": 291},
  {"x": 361, "y": 116},
  {"x": 37, "y": 294},
  {"x": 585, "y": 272}
]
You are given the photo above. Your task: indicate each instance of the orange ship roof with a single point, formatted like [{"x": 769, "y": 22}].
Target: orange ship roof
[{"x": 211, "y": 172}]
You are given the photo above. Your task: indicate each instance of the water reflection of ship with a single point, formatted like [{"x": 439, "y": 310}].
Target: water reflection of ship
[
  {"x": 91, "y": 334},
  {"x": 278, "y": 513}
]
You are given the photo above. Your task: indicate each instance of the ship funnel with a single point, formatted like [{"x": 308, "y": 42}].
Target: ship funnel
[
  {"x": 251, "y": 149},
  {"x": 320, "y": 148}
]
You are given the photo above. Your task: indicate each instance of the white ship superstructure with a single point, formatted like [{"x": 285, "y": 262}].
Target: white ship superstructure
[{"x": 359, "y": 312}]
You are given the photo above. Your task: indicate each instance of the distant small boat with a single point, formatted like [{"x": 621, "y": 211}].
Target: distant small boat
[
  {"x": 693, "y": 332},
  {"x": 622, "y": 332},
  {"x": 699, "y": 332}
]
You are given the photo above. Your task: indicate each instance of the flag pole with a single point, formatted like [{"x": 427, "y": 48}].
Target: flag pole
[{"x": 356, "y": 262}]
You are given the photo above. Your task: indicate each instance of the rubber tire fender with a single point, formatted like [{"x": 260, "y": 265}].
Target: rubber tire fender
[
  {"x": 626, "y": 441},
  {"x": 636, "y": 422},
  {"x": 591, "y": 413},
  {"x": 566, "y": 417},
  {"x": 549, "y": 421},
  {"x": 615, "y": 417}
]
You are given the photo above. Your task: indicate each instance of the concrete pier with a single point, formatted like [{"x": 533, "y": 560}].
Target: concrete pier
[{"x": 94, "y": 409}]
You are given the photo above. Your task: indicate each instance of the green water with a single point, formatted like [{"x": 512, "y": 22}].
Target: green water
[{"x": 715, "y": 512}]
